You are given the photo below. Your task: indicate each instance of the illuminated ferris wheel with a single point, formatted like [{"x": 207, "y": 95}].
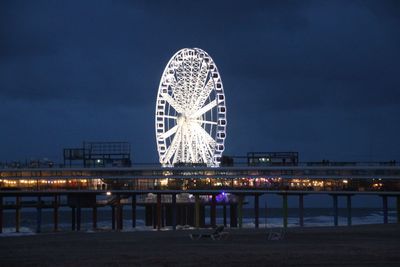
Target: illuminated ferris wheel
[{"x": 190, "y": 119}]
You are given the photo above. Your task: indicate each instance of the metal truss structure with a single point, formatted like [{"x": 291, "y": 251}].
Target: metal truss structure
[{"x": 190, "y": 119}]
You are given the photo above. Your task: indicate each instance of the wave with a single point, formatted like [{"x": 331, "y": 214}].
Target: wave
[{"x": 23, "y": 231}]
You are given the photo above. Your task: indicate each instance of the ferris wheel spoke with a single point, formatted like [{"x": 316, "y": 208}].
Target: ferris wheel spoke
[
  {"x": 202, "y": 78},
  {"x": 172, "y": 102},
  {"x": 210, "y": 144},
  {"x": 201, "y": 148},
  {"x": 206, "y": 90},
  {"x": 169, "y": 117},
  {"x": 190, "y": 145},
  {"x": 204, "y": 134},
  {"x": 169, "y": 132},
  {"x": 206, "y": 122},
  {"x": 211, "y": 149},
  {"x": 173, "y": 146},
  {"x": 204, "y": 109},
  {"x": 207, "y": 151}
]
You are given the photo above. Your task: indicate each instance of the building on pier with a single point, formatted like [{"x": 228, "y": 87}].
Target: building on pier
[
  {"x": 99, "y": 154},
  {"x": 303, "y": 176}
]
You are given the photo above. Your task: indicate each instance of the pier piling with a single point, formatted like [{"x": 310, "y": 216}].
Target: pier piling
[
  {"x": 398, "y": 208},
  {"x": 240, "y": 210},
  {"x": 1, "y": 214},
  {"x": 133, "y": 211},
  {"x": 285, "y": 210},
  {"x": 158, "y": 211},
  {"x": 173, "y": 209},
  {"x": 119, "y": 213},
  {"x": 148, "y": 215},
  {"x": 335, "y": 210},
  {"x": 94, "y": 217},
  {"x": 39, "y": 215},
  {"x": 233, "y": 215},
  {"x": 55, "y": 213},
  {"x": 17, "y": 213},
  {"x": 121, "y": 217},
  {"x": 256, "y": 210},
  {"x": 213, "y": 211},
  {"x": 179, "y": 213},
  {"x": 266, "y": 212},
  {"x": 113, "y": 217},
  {"x": 349, "y": 210},
  {"x": 385, "y": 208},
  {"x": 197, "y": 210},
  {"x": 73, "y": 219},
  {"x": 78, "y": 216},
  {"x": 224, "y": 213},
  {"x": 301, "y": 210}
]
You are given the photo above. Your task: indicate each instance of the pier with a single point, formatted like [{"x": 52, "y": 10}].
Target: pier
[{"x": 187, "y": 195}]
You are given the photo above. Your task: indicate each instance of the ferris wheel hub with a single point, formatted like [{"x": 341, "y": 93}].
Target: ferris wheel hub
[{"x": 182, "y": 119}]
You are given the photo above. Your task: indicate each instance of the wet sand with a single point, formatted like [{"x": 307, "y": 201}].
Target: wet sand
[{"x": 373, "y": 245}]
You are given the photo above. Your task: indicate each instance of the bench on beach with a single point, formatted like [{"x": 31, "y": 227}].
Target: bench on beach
[
  {"x": 276, "y": 234},
  {"x": 218, "y": 234}
]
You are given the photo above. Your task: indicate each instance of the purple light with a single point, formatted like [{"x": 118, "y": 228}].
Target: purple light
[{"x": 223, "y": 197}]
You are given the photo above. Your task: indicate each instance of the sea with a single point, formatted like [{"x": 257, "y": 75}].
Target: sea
[{"x": 269, "y": 218}]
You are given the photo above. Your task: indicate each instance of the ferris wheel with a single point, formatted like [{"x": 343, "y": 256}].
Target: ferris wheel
[{"x": 190, "y": 119}]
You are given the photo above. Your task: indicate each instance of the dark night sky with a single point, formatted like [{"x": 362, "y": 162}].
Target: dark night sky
[{"x": 318, "y": 77}]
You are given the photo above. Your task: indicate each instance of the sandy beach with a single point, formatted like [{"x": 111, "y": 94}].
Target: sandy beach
[{"x": 372, "y": 245}]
